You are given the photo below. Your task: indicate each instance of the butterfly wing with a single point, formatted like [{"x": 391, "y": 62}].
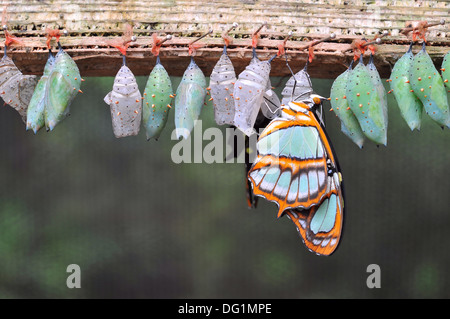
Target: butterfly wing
[
  {"x": 321, "y": 226},
  {"x": 291, "y": 167}
]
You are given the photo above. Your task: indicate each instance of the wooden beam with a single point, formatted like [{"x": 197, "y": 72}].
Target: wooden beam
[{"x": 91, "y": 22}]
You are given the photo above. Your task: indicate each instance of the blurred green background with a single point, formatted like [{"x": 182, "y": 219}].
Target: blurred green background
[{"x": 140, "y": 226}]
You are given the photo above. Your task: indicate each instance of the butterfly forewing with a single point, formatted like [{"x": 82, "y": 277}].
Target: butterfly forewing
[{"x": 291, "y": 167}]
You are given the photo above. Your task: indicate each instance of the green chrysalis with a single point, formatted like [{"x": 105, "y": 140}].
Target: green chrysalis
[
  {"x": 366, "y": 101},
  {"x": 429, "y": 87},
  {"x": 157, "y": 99},
  {"x": 189, "y": 100},
  {"x": 410, "y": 106},
  {"x": 36, "y": 108},
  {"x": 446, "y": 70},
  {"x": 349, "y": 123},
  {"x": 63, "y": 85}
]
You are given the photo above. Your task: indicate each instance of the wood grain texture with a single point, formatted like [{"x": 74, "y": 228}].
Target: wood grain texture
[{"x": 91, "y": 22}]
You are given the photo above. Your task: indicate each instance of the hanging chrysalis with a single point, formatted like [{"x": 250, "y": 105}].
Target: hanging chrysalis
[
  {"x": 410, "y": 106},
  {"x": 297, "y": 87},
  {"x": 189, "y": 99},
  {"x": 221, "y": 82},
  {"x": 248, "y": 93},
  {"x": 446, "y": 69},
  {"x": 63, "y": 85},
  {"x": 270, "y": 106},
  {"x": 16, "y": 89},
  {"x": 36, "y": 108},
  {"x": 158, "y": 96},
  {"x": 125, "y": 99},
  {"x": 381, "y": 91},
  {"x": 191, "y": 93},
  {"x": 339, "y": 102},
  {"x": 366, "y": 103},
  {"x": 429, "y": 87}
]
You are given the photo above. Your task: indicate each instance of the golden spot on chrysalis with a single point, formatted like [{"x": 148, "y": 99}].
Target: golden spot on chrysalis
[
  {"x": 361, "y": 106},
  {"x": 348, "y": 108},
  {"x": 407, "y": 81},
  {"x": 331, "y": 109},
  {"x": 419, "y": 79},
  {"x": 171, "y": 96},
  {"x": 210, "y": 99},
  {"x": 357, "y": 94},
  {"x": 118, "y": 113},
  {"x": 117, "y": 102},
  {"x": 80, "y": 91},
  {"x": 422, "y": 89},
  {"x": 168, "y": 105},
  {"x": 153, "y": 95},
  {"x": 153, "y": 105}
]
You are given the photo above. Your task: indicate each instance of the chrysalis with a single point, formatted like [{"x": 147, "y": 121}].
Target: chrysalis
[
  {"x": 446, "y": 70},
  {"x": 429, "y": 88},
  {"x": 36, "y": 108},
  {"x": 63, "y": 85},
  {"x": 410, "y": 106},
  {"x": 222, "y": 81},
  {"x": 157, "y": 99},
  {"x": 271, "y": 105},
  {"x": 339, "y": 102},
  {"x": 379, "y": 87},
  {"x": 126, "y": 103},
  {"x": 189, "y": 99},
  {"x": 297, "y": 87},
  {"x": 248, "y": 93},
  {"x": 16, "y": 89},
  {"x": 365, "y": 101}
]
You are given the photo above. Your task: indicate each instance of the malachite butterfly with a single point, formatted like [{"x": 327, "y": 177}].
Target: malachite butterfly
[
  {"x": 36, "y": 108},
  {"x": 221, "y": 82},
  {"x": 367, "y": 101},
  {"x": 446, "y": 70},
  {"x": 410, "y": 106},
  {"x": 16, "y": 89},
  {"x": 339, "y": 103},
  {"x": 158, "y": 95},
  {"x": 126, "y": 103},
  {"x": 189, "y": 100},
  {"x": 297, "y": 169},
  {"x": 429, "y": 87}
]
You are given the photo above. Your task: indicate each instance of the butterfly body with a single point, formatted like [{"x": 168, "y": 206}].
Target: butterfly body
[{"x": 296, "y": 168}]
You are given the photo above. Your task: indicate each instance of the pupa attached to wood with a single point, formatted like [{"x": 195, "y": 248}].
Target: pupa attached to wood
[
  {"x": 190, "y": 96},
  {"x": 125, "y": 99},
  {"x": 158, "y": 95}
]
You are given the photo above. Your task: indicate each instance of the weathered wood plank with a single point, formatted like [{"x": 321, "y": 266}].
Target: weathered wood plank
[{"x": 90, "y": 22}]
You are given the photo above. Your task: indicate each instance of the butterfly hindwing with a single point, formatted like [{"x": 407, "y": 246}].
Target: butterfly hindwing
[{"x": 321, "y": 226}]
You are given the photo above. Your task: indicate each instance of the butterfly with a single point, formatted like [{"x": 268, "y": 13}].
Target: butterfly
[{"x": 296, "y": 168}]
